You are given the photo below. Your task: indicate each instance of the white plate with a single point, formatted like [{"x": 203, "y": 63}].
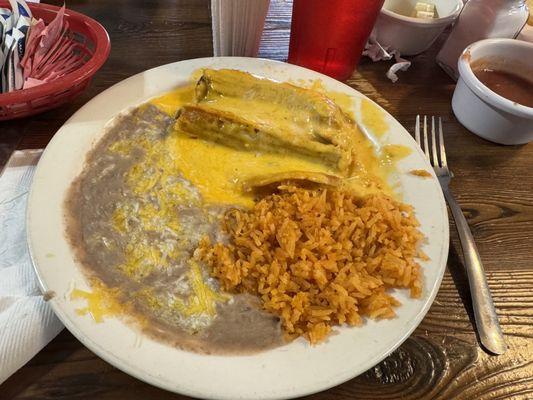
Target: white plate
[{"x": 289, "y": 371}]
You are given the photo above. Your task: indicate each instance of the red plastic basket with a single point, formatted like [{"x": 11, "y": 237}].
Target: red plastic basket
[{"x": 93, "y": 42}]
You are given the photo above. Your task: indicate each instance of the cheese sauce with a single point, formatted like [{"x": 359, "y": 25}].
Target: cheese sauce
[{"x": 218, "y": 171}]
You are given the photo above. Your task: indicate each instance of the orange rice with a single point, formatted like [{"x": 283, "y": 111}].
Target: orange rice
[{"x": 319, "y": 258}]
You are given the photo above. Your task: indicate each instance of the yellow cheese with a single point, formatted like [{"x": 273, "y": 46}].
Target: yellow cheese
[
  {"x": 100, "y": 301},
  {"x": 171, "y": 101},
  {"x": 218, "y": 171},
  {"x": 395, "y": 152},
  {"x": 373, "y": 118},
  {"x": 204, "y": 299}
]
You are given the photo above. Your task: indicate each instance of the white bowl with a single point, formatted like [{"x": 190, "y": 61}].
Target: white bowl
[
  {"x": 481, "y": 110},
  {"x": 411, "y": 35}
]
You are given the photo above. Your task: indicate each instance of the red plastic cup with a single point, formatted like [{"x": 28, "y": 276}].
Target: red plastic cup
[{"x": 329, "y": 36}]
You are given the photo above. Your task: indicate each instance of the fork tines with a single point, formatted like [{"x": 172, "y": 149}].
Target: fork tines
[{"x": 436, "y": 154}]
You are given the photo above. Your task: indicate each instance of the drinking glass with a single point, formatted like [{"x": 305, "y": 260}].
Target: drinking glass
[{"x": 329, "y": 36}]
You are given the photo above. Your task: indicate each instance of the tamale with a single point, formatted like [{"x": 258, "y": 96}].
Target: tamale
[
  {"x": 238, "y": 132},
  {"x": 237, "y": 109}
]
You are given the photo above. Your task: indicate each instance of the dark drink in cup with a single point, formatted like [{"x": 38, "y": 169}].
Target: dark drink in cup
[{"x": 329, "y": 36}]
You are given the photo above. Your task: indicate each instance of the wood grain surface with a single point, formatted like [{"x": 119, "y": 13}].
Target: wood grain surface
[{"x": 493, "y": 184}]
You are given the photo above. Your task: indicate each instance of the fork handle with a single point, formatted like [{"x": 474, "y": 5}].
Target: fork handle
[{"x": 487, "y": 324}]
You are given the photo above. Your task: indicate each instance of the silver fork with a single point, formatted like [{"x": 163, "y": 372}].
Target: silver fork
[{"x": 487, "y": 324}]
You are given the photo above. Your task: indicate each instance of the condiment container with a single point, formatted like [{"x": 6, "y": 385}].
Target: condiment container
[
  {"x": 481, "y": 110},
  {"x": 329, "y": 36},
  {"x": 410, "y": 35},
  {"x": 481, "y": 19}
]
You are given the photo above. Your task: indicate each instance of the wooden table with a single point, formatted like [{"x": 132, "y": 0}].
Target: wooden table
[{"x": 494, "y": 185}]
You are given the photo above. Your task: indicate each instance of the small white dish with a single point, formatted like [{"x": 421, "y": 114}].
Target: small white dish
[
  {"x": 410, "y": 35},
  {"x": 483, "y": 111},
  {"x": 293, "y": 370}
]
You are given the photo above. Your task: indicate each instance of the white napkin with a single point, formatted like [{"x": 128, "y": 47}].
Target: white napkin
[
  {"x": 237, "y": 26},
  {"x": 377, "y": 52},
  {"x": 27, "y": 322}
]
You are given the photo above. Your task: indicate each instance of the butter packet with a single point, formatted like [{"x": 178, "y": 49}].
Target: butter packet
[{"x": 424, "y": 10}]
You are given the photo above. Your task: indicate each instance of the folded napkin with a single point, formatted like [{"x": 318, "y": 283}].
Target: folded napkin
[{"x": 27, "y": 322}]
